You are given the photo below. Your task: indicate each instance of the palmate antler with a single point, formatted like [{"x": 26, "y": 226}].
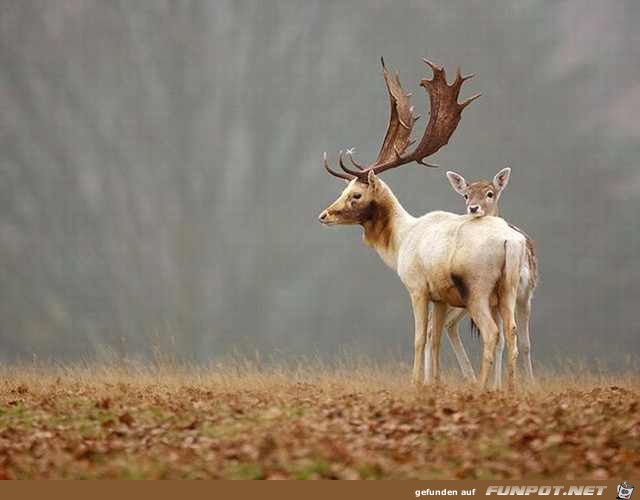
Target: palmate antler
[
  {"x": 445, "y": 113},
  {"x": 401, "y": 119}
]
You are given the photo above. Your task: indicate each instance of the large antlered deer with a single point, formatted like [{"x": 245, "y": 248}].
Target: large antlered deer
[
  {"x": 447, "y": 259},
  {"x": 482, "y": 198}
]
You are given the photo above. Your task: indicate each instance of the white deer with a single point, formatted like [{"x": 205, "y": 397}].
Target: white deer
[
  {"x": 482, "y": 198},
  {"x": 443, "y": 258}
]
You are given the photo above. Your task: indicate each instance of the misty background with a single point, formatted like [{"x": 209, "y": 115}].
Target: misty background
[{"x": 160, "y": 170}]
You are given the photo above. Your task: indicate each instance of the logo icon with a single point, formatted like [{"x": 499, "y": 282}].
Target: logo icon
[{"x": 624, "y": 491}]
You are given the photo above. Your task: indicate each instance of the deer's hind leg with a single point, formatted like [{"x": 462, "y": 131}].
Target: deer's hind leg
[
  {"x": 452, "y": 323},
  {"x": 497, "y": 374},
  {"x": 509, "y": 333},
  {"x": 481, "y": 314},
  {"x": 508, "y": 295},
  {"x": 523, "y": 313}
]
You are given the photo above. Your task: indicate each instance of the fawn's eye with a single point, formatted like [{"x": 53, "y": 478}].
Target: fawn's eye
[
  {"x": 489, "y": 194},
  {"x": 466, "y": 196},
  {"x": 357, "y": 196}
]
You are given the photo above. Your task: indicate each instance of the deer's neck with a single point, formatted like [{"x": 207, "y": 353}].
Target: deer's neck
[{"x": 388, "y": 226}]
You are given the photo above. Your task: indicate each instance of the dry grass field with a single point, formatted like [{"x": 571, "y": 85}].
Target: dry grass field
[{"x": 234, "y": 420}]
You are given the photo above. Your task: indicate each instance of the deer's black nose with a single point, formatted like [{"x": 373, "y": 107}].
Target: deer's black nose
[
  {"x": 473, "y": 209},
  {"x": 322, "y": 216}
]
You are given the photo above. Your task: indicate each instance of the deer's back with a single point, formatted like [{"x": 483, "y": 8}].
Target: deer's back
[{"x": 444, "y": 248}]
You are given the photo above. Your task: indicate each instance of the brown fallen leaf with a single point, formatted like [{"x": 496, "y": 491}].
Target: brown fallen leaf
[
  {"x": 104, "y": 403},
  {"x": 126, "y": 419}
]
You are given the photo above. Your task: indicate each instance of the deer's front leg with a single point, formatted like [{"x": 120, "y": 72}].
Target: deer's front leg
[
  {"x": 419, "y": 302},
  {"x": 437, "y": 323},
  {"x": 427, "y": 351}
]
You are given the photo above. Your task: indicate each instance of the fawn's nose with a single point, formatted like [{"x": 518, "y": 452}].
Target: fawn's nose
[
  {"x": 322, "y": 216},
  {"x": 474, "y": 209}
]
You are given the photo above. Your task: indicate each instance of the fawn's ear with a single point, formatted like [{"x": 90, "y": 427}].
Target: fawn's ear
[
  {"x": 501, "y": 179},
  {"x": 457, "y": 182}
]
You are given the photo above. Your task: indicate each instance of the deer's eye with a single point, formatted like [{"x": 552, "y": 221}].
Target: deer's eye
[
  {"x": 489, "y": 194},
  {"x": 357, "y": 196},
  {"x": 466, "y": 196}
]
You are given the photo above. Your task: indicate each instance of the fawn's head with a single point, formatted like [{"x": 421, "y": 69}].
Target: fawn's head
[{"x": 481, "y": 196}]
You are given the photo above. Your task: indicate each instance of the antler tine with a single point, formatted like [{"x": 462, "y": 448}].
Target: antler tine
[
  {"x": 433, "y": 66},
  {"x": 460, "y": 79},
  {"x": 340, "y": 175},
  {"x": 353, "y": 162},
  {"x": 425, "y": 164},
  {"x": 439, "y": 72},
  {"x": 468, "y": 101},
  {"x": 354, "y": 173}
]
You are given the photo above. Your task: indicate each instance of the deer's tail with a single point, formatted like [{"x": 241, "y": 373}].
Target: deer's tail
[{"x": 514, "y": 255}]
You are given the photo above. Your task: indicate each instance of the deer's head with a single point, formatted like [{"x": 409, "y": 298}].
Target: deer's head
[
  {"x": 481, "y": 197},
  {"x": 364, "y": 195},
  {"x": 359, "y": 203}
]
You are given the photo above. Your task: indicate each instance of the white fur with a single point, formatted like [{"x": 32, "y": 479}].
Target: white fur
[{"x": 430, "y": 248}]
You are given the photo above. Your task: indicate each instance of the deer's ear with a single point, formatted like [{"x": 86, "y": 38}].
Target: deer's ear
[
  {"x": 501, "y": 179},
  {"x": 457, "y": 182},
  {"x": 372, "y": 180}
]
